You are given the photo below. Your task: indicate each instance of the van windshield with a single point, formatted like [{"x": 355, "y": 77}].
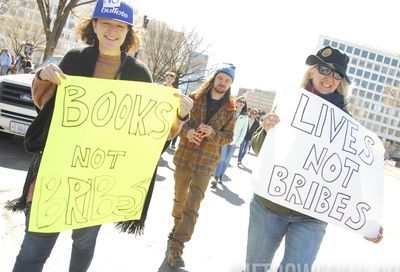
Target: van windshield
[{"x": 54, "y": 59}]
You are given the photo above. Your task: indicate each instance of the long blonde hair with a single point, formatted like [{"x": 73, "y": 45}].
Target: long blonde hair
[{"x": 342, "y": 88}]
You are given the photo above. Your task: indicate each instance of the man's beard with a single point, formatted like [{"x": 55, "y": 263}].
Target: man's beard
[{"x": 220, "y": 90}]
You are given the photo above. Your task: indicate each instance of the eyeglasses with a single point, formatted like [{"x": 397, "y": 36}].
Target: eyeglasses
[
  {"x": 326, "y": 71},
  {"x": 241, "y": 101}
]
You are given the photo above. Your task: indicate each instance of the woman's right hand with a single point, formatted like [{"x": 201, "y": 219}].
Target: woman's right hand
[
  {"x": 270, "y": 120},
  {"x": 51, "y": 73}
]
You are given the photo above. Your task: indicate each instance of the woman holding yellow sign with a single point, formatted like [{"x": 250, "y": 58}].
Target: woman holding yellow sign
[{"x": 110, "y": 36}]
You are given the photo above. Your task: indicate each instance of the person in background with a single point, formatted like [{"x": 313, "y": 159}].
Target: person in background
[
  {"x": 110, "y": 36},
  {"x": 28, "y": 67},
  {"x": 170, "y": 78},
  {"x": 5, "y": 62},
  {"x": 211, "y": 126},
  {"x": 241, "y": 124},
  {"x": 270, "y": 222},
  {"x": 253, "y": 125}
]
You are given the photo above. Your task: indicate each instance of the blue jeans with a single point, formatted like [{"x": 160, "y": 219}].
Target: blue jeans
[
  {"x": 243, "y": 149},
  {"x": 303, "y": 237},
  {"x": 226, "y": 155},
  {"x": 36, "y": 248}
]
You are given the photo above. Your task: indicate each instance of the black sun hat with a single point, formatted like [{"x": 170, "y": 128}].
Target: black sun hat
[{"x": 332, "y": 58}]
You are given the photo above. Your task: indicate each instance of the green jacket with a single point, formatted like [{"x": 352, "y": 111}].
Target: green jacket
[{"x": 257, "y": 141}]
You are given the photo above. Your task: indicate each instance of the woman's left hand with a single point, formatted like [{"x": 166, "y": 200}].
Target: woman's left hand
[
  {"x": 377, "y": 239},
  {"x": 185, "y": 105}
]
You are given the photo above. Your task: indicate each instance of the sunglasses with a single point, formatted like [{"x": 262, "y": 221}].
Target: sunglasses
[{"x": 326, "y": 71}]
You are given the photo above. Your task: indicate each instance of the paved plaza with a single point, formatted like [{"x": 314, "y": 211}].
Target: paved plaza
[{"x": 219, "y": 240}]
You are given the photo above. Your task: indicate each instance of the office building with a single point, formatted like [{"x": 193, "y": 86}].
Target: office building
[{"x": 374, "y": 93}]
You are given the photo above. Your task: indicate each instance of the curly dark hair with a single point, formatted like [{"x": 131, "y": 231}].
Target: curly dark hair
[{"x": 86, "y": 32}]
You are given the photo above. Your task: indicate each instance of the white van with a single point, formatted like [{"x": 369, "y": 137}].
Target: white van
[{"x": 16, "y": 105}]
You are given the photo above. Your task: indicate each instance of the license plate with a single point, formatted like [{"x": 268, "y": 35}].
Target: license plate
[{"x": 18, "y": 128}]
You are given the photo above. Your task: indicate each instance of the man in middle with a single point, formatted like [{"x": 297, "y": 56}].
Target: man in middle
[{"x": 211, "y": 126}]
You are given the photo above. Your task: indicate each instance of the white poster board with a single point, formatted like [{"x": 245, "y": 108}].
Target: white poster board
[{"x": 321, "y": 162}]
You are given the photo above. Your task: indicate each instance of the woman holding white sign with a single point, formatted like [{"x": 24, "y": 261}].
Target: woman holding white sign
[
  {"x": 110, "y": 36},
  {"x": 270, "y": 222}
]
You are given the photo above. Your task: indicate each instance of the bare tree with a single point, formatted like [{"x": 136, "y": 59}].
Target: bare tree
[
  {"x": 53, "y": 26},
  {"x": 6, "y": 4},
  {"x": 391, "y": 96},
  {"x": 19, "y": 36},
  {"x": 165, "y": 49}
]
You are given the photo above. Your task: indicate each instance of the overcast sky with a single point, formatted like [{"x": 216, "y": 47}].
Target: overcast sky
[{"x": 269, "y": 41}]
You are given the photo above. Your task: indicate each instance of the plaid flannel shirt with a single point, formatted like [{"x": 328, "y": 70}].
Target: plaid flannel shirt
[{"x": 204, "y": 159}]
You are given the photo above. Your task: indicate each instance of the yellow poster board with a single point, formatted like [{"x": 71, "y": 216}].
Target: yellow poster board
[{"x": 103, "y": 146}]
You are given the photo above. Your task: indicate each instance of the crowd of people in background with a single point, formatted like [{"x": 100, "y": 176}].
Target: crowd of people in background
[{"x": 11, "y": 64}]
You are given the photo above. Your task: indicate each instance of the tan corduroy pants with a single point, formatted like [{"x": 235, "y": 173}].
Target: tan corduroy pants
[{"x": 189, "y": 192}]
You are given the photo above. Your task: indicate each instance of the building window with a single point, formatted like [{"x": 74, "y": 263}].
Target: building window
[
  {"x": 389, "y": 81},
  {"x": 366, "y": 104},
  {"x": 361, "y": 63},
  {"x": 374, "y": 76},
  {"x": 371, "y": 86},
  {"x": 357, "y": 51},
  {"x": 377, "y": 97},
  {"x": 379, "y": 88},
  {"x": 382, "y": 79},
  {"x": 379, "y": 58},
  {"x": 352, "y": 70},
  {"x": 387, "y": 60},
  {"x": 354, "y": 91},
  {"x": 361, "y": 93},
  {"x": 364, "y": 84},
  {"x": 372, "y": 56},
  {"x": 371, "y": 116},
  {"x": 369, "y": 95},
  {"x": 326, "y": 42},
  {"x": 377, "y": 67},
  {"x": 342, "y": 46},
  {"x": 394, "y": 62},
  {"x": 334, "y": 44},
  {"x": 349, "y": 49},
  {"x": 383, "y": 130},
  {"x": 393, "y": 122},
  {"x": 354, "y": 61},
  {"x": 357, "y": 82},
  {"x": 391, "y": 131},
  {"x": 391, "y": 72},
  {"x": 364, "y": 54},
  {"x": 384, "y": 70},
  {"x": 369, "y": 65},
  {"x": 368, "y": 125},
  {"x": 397, "y": 134},
  {"x": 375, "y": 128},
  {"x": 367, "y": 74},
  {"x": 359, "y": 72}
]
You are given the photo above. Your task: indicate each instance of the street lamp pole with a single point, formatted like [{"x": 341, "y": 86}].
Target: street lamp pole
[{"x": 144, "y": 27}]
